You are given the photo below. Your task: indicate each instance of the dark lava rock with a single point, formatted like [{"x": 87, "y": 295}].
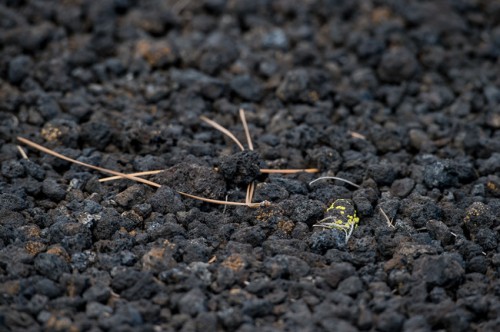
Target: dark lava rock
[
  {"x": 194, "y": 179},
  {"x": 49, "y": 108},
  {"x": 390, "y": 321},
  {"x": 383, "y": 174},
  {"x": 246, "y": 87},
  {"x": 438, "y": 230},
  {"x": 284, "y": 266},
  {"x": 130, "y": 196},
  {"x": 166, "y": 200},
  {"x": 252, "y": 235},
  {"x": 107, "y": 225},
  {"x": 53, "y": 190},
  {"x": 240, "y": 168},
  {"x": 397, "y": 65},
  {"x": 445, "y": 173},
  {"x": 322, "y": 241},
  {"x": 98, "y": 293},
  {"x": 143, "y": 287},
  {"x": 305, "y": 210},
  {"x": 303, "y": 85},
  {"x": 257, "y": 308},
  {"x": 446, "y": 270},
  {"x": 33, "y": 169},
  {"x": 337, "y": 272},
  {"x": 421, "y": 212},
  {"x": 19, "y": 68},
  {"x": 351, "y": 285},
  {"x": 124, "y": 317},
  {"x": 96, "y": 134},
  {"x": 402, "y": 187},
  {"x": 11, "y": 202},
  {"x": 48, "y": 288},
  {"x": 486, "y": 238},
  {"x": 12, "y": 169},
  {"x": 401, "y": 97},
  {"x": 478, "y": 215},
  {"x": 51, "y": 266},
  {"x": 386, "y": 140},
  {"x": 193, "y": 302},
  {"x": 74, "y": 237}
]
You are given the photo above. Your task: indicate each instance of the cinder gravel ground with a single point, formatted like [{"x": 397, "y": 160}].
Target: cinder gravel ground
[{"x": 399, "y": 97}]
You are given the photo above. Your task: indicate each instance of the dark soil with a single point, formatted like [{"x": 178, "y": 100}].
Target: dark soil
[{"x": 400, "y": 97}]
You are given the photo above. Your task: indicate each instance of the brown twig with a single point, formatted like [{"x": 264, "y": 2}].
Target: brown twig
[
  {"x": 215, "y": 201},
  {"x": 262, "y": 170},
  {"x": 130, "y": 177},
  {"x": 251, "y": 186},
  {"x": 288, "y": 171},
  {"x": 357, "y": 135},
  {"x": 389, "y": 222},
  {"x": 135, "y": 176},
  {"x": 223, "y": 130},
  {"x": 21, "y": 151},
  {"x": 74, "y": 161},
  {"x": 112, "y": 178},
  {"x": 245, "y": 127}
]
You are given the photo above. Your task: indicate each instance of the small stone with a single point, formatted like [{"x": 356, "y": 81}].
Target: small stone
[
  {"x": 490, "y": 165},
  {"x": 246, "y": 87},
  {"x": 351, "y": 286},
  {"x": 12, "y": 169},
  {"x": 166, "y": 200},
  {"x": 253, "y": 235},
  {"x": 383, "y": 174},
  {"x": 97, "y": 293},
  {"x": 33, "y": 169},
  {"x": 96, "y": 310},
  {"x": 390, "y": 321},
  {"x": 240, "y": 168},
  {"x": 196, "y": 251},
  {"x": 12, "y": 202},
  {"x": 284, "y": 266},
  {"x": 107, "y": 225},
  {"x": 445, "y": 270},
  {"x": 402, "y": 187},
  {"x": 48, "y": 288},
  {"x": 130, "y": 196},
  {"x": 477, "y": 264},
  {"x": 124, "y": 315},
  {"x": 337, "y": 272},
  {"x": 193, "y": 302},
  {"x": 275, "y": 39},
  {"x": 321, "y": 241},
  {"x": 478, "y": 215},
  {"x": 439, "y": 231},
  {"x": 96, "y": 134},
  {"x": 51, "y": 266},
  {"x": 53, "y": 190},
  {"x": 307, "y": 211},
  {"x": 440, "y": 174},
  {"x": 48, "y": 107},
  {"x": 363, "y": 205},
  {"x": 19, "y": 68},
  {"x": 397, "y": 65},
  {"x": 486, "y": 238},
  {"x": 386, "y": 140},
  {"x": 257, "y": 308},
  {"x": 305, "y": 85},
  {"x": 420, "y": 140}
]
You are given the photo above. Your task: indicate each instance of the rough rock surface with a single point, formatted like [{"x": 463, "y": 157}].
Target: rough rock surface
[{"x": 399, "y": 97}]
